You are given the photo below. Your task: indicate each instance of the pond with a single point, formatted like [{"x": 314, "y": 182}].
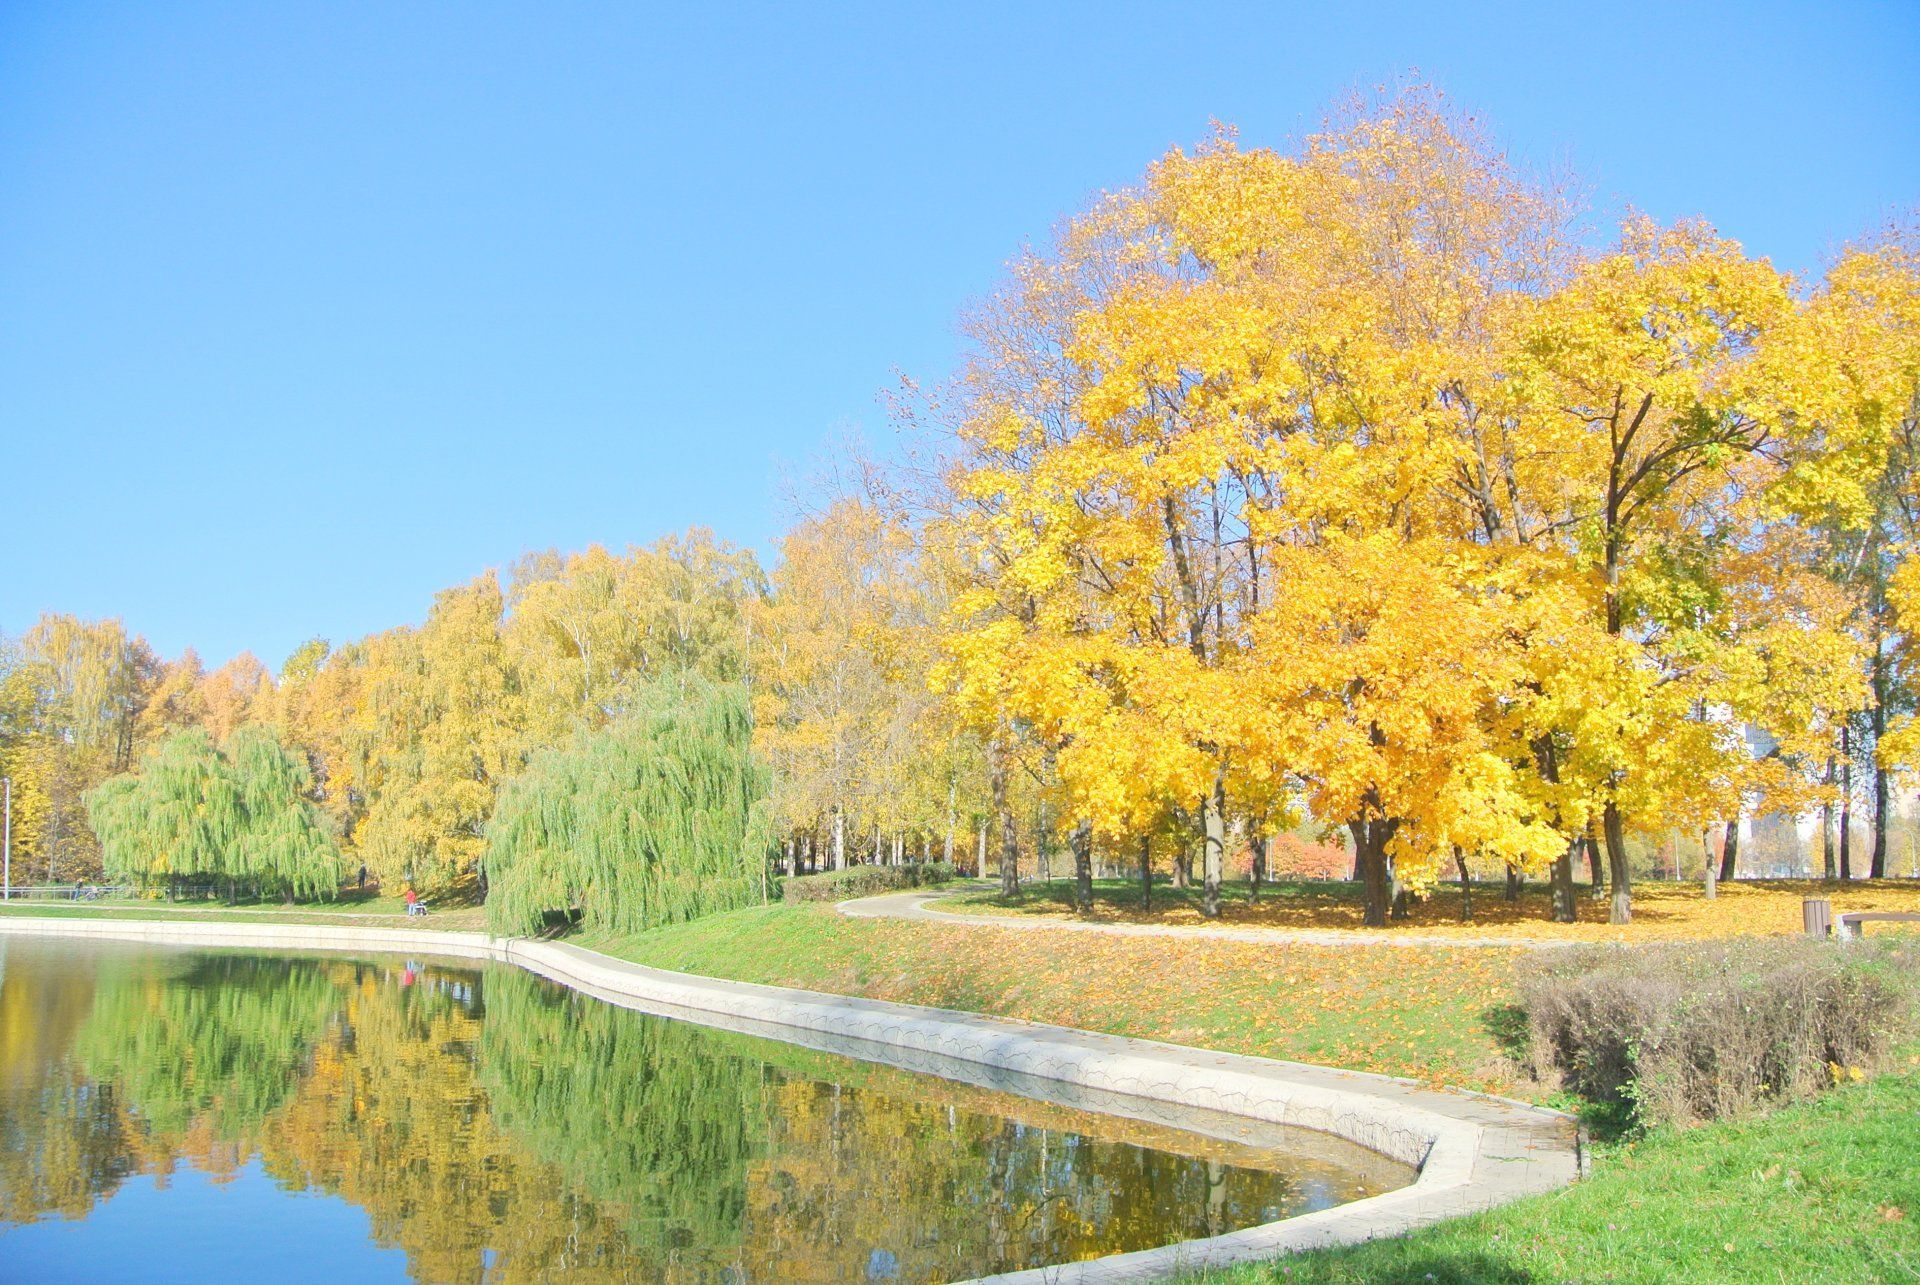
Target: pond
[{"x": 193, "y": 1114}]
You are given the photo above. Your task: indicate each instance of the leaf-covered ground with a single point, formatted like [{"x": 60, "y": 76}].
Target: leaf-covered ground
[{"x": 1661, "y": 909}]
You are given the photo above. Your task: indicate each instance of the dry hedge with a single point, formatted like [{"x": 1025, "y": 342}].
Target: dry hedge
[
  {"x": 1685, "y": 1032},
  {"x": 864, "y": 881}
]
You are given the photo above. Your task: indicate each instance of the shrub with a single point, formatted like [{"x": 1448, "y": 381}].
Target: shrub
[
  {"x": 864, "y": 881},
  {"x": 1686, "y": 1032}
]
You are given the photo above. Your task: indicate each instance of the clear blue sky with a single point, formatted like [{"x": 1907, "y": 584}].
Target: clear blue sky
[{"x": 309, "y": 310}]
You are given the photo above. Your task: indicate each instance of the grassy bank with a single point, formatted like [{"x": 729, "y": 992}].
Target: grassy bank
[
  {"x": 384, "y": 912},
  {"x": 1428, "y": 1013},
  {"x": 1824, "y": 1191}
]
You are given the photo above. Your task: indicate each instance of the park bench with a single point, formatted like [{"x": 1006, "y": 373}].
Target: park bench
[
  {"x": 1817, "y": 915},
  {"x": 1850, "y": 922}
]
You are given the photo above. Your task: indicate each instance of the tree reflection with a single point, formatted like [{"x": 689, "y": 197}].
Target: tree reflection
[{"x": 495, "y": 1127}]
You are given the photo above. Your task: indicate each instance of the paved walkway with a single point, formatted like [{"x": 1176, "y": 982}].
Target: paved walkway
[{"x": 915, "y": 906}]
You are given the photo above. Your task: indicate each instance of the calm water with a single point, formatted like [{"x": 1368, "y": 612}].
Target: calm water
[{"x": 215, "y": 1116}]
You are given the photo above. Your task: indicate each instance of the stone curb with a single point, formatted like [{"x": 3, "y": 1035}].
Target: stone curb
[{"x": 1472, "y": 1152}]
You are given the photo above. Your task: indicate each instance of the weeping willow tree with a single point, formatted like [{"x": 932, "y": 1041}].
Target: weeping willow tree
[
  {"x": 659, "y": 817},
  {"x": 194, "y": 812}
]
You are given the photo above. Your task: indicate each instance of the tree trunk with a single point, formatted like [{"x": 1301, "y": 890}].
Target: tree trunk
[
  {"x": 946, "y": 853},
  {"x": 839, "y": 837},
  {"x": 1183, "y": 866},
  {"x": 1213, "y": 824},
  {"x": 1710, "y": 874},
  {"x": 1596, "y": 873},
  {"x": 1370, "y": 846},
  {"x": 1826, "y": 829},
  {"x": 1042, "y": 849},
  {"x": 1846, "y": 803},
  {"x": 1515, "y": 882},
  {"x": 1877, "y": 864},
  {"x": 1566, "y": 909},
  {"x": 1146, "y": 872},
  {"x": 1009, "y": 840},
  {"x": 980, "y": 869},
  {"x": 1730, "y": 850},
  {"x": 1621, "y": 911},
  {"x": 1877, "y": 868},
  {"x": 1466, "y": 885},
  {"x": 1257, "y": 866},
  {"x": 1081, "y": 840}
]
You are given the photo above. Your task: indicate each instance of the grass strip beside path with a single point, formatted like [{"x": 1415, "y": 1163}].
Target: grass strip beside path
[
  {"x": 383, "y": 913},
  {"x": 1824, "y": 1191}
]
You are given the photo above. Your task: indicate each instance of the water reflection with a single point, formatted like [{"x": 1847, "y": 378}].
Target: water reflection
[{"x": 495, "y": 1127}]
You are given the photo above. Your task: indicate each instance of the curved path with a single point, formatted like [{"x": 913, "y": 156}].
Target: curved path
[
  {"x": 916, "y": 906},
  {"x": 1471, "y": 1152}
]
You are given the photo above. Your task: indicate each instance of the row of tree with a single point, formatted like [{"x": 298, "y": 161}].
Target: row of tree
[
  {"x": 1348, "y": 484},
  {"x": 1346, "y": 489}
]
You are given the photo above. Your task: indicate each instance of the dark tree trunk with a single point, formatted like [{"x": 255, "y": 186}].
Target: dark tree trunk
[
  {"x": 1257, "y": 866},
  {"x": 1826, "y": 829},
  {"x": 1466, "y": 885},
  {"x": 1081, "y": 840},
  {"x": 1565, "y": 906},
  {"x": 1515, "y": 882},
  {"x": 1183, "y": 866},
  {"x": 1146, "y": 872},
  {"x": 1877, "y": 864},
  {"x": 1846, "y": 803},
  {"x": 1730, "y": 850},
  {"x": 1596, "y": 872},
  {"x": 1621, "y": 911},
  {"x": 1370, "y": 844}
]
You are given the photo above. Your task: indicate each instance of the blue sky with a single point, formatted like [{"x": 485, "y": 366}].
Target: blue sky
[{"x": 309, "y": 311}]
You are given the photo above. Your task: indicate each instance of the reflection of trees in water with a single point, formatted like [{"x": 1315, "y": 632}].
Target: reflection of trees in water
[
  {"x": 718, "y": 1149},
  {"x": 548, "y": 1132},
  {"x": 393, "y": 1119},
  {"x": 61, "y": 1138},
  {"x": 651, "y": 1117},
  {"x": 218, "y": 1046}
]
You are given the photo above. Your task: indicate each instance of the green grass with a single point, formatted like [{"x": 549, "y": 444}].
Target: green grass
[
  {"x": 1428, "y": 1013},
  {"x": 1827, "y": 1191}
]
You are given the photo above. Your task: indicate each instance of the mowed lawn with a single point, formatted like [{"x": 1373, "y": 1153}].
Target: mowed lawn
[
  {"x": 1429, "y": 1013},
  {"x": 1662, "y": 909},
  {"x": 1824, "y": 1191}
]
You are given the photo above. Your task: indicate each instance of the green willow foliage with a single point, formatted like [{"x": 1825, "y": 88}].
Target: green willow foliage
[
  {"x": 659, "y": 817},
  {"x": 195, "y": 812},
  {"x": 656, "y": 1121},
  {"x": 225, "y": 1041}
]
